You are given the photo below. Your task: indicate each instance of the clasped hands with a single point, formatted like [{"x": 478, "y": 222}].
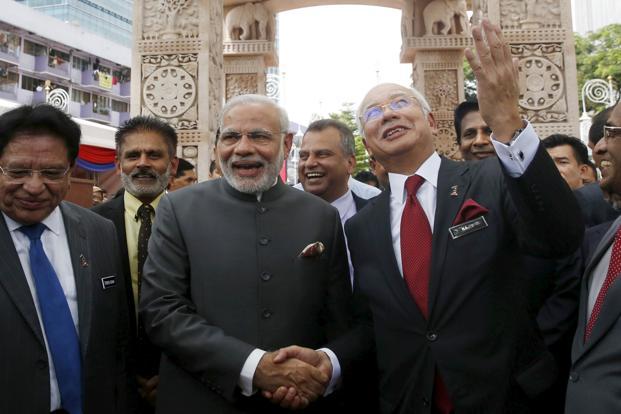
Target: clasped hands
[{"x": 293, "y": 377}]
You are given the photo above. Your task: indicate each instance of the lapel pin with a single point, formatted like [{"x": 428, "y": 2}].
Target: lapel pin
[
  {"x": 83, "y": 261},
  {"x": 454, "y": 191}
]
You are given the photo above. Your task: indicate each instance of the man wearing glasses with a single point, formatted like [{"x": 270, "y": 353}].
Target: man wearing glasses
[
  {"x": 595, "y": 381},
  {"x": 435, "y": 257},
  {"x": 63, "y": 313}
]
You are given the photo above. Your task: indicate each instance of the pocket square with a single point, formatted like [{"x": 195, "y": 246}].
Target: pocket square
[
  {"x": 469, "y": 210},
  {"x": 313, "y": 250}
]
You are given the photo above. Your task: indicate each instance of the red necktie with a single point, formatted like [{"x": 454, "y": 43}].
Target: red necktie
[
  {"x": 416, "y": 245},
  {"x": 416, "y": 261},
  {"x": 614, "y": 268}
]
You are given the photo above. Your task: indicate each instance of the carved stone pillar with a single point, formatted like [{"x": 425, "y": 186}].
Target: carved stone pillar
[
  {"x": 437, "y": 61},
  {"x": 177, "y": 70},
  {"x": 540, "y": 34},
  {"x": 248, "y": 48}
]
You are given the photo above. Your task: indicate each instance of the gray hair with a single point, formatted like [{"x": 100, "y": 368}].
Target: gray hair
[
  {"x": 420, "y": 98},
  {"x": 348, "y": 143},
  {"x": 260, "y": 100}
]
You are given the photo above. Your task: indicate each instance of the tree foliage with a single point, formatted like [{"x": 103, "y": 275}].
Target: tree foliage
[
  {"x": 598, "y": 56},
  {"x": 347, "y": 115},
  {"x": 470, "y": 83}
]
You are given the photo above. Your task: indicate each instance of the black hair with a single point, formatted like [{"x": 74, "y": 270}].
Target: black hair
[
  {"x": 183, "y": 166},
  {"x": 596, "y": 131},
  {"x": 348, "y": 144},
  {"x": 39, "y": 120},
  {"x": 581, "y": 153},
  {"x": 461, "y": 111},
  {"x": 366, "y": 176},
  {"x": 147, "y": 124}
]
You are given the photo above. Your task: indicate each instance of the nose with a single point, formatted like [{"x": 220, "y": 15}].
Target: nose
[
  {"x": 143, "y": 160},
  {"x": 244, "y": 146},
  {"x": 482, "y": 139},
  {"x": 34, "y": 184}
]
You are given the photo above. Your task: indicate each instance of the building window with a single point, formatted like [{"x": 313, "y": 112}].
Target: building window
[
  {"x": 118, "y": 106},
  {"x": 101, "y": 104},
  {"x": 34, "y": 49},
  {"x": 31, "y": 84},
  {"x": 9, "y": 43},
  {"x": 57, "y": 58},
  {"x": 8, "y": 80},
  {"x": 79, "y": 63},
  {"x": 80, "y": 96}
]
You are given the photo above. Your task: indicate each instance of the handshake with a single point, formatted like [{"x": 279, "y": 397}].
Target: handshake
[{"x": 293, "y": 377}]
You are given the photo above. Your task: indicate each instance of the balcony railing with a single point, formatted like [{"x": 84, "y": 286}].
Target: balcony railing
[{"x": 52, "y": 65}]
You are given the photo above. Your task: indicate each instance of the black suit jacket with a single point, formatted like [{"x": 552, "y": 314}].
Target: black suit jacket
[
  {"x": 359, "y": 202},
  {"x": 595, "y": 209},
  {"x": 230, "y": 279},
  {"x": 102, "y": 316},
  {"x": 479, "y": 335}
]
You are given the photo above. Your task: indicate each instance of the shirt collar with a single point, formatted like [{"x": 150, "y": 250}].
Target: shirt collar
[
  {"x": 132, "y": 204},
  {"x": 428, "y": 170},
  {"x": 343, "y": 202},
  {"x": 53, "y": 222}
]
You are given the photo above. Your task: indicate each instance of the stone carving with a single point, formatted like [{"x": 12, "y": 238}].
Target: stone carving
[
  {"x": 479, "y": 10},
  {"x": 272, "y": 86},
  {"x": 249, "y": 21},
  {"x": 169, "y": 19},
  {"x": 407, "y": 19},
  {"x": 441, "y": 89},
  {"x": 58, "y": 98},
  {"x": 240, "y": 84},
  {"x": 542, "y": 84},
  {"x": 530, "y": 14},
  {"x": 215, "y": 66},
  {"x": 169, "y": 88},
  {"x": 442, "y": 15},
  {"x": 445, "y": 142}
]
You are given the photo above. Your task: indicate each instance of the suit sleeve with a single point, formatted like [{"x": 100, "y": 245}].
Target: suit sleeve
[
  {"x": 169, "y": 314},
  {"x": 542, "y": 209}
]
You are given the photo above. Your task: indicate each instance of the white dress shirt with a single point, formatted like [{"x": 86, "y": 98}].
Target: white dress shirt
[
  {"x": 515, "y": 158},
  {"x": 346, "y": 206},
  {"x": 359, "y": 188},
  {"x": 56, "y": 247}
]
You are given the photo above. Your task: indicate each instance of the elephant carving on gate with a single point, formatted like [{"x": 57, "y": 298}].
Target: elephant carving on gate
[
  {"x": 249, "y": 21},
  {"x": 441, "y": 15}
]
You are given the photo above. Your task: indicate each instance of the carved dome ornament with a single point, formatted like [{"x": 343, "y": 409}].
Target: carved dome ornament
[
  {"x": 169, "y": 91},
  {"x": 542, "y": 81}
]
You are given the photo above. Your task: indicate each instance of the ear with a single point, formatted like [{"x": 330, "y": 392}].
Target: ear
[
  {"x": 584, "y": 172},
  {"x": 364, "y": 142},
  {"x": 117, "y": 163},
  {"x": 287, "y": 143},
  {"x": 351, "y": 164},
  {"x": 432, "y": 123},
  {"x": 174, "y": 163}
]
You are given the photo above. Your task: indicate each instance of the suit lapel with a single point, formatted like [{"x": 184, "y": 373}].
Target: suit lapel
[
  {"x": 13, "y": 279},
  {"x": 453, "y": 183},
  {"x": 611, "y": 307},
  {"x": 79, "y": 253},
  {"x": 381, "y": 233}
]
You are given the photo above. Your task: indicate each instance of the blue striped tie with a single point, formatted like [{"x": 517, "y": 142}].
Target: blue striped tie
[{"x": 60, "y": 332}]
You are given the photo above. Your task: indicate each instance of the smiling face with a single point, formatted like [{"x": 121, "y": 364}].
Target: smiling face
[
  {"x": 476, "y": 143},
  {"x": 610, "y": 151},
  {"x": 251, "y": 148},
  {"x": 324, "y": 168},
  {"x": 145, "y": 164},
  {"x": 401, "y": 140},
  {"x": 31, "y": 200}
]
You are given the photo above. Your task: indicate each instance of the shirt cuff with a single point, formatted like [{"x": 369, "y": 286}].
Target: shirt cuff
[
  {"x": 336, "y": 371},
  {"x": 247, "y": 372},
  {"x": 517, "y": 156}
]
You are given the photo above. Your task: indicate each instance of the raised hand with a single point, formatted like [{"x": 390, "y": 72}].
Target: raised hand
[
  {"x": 497, "y": 81},
  {"x": 307, "y": 381}
]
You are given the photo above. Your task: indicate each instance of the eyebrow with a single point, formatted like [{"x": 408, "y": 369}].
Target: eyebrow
[{"x": 393, "y": 96}]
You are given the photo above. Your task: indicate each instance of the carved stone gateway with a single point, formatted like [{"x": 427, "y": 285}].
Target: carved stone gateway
[
  {"x": 179, "y": 62},
  {"x": 540, "y": 35}
]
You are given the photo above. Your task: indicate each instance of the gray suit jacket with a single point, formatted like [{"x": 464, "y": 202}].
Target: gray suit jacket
[
  {"x": 224, "y": 276},
  {"x": 103, "y": 322},
  {"x": 594, "y": 381}
]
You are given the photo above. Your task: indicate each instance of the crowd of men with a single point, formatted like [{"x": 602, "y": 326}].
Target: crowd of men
[{"x": 484, "y": 286}]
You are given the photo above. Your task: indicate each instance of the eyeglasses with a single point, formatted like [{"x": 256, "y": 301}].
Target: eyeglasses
[
  {"x": 611, "y": 132},
  {"x": 48, "y": 175},
  {"x": 397, "y": 104}
]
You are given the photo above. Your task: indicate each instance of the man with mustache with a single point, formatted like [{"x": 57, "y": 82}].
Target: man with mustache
[
  {"x": 473, "y": 133},
  {"x": 594, "y": 382},
  {"x": 145, "y": 159},
  {"x": 241, "y": 266}
]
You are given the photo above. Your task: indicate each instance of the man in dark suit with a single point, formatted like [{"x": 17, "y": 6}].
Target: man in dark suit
[
  {"x": 63, "y": 314},
  {"x": 261, "y": 266},
  {"x": 145, "y": 159},
  {"x": 594, "y": 382},
  {"x": 435, "y": 264}
]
